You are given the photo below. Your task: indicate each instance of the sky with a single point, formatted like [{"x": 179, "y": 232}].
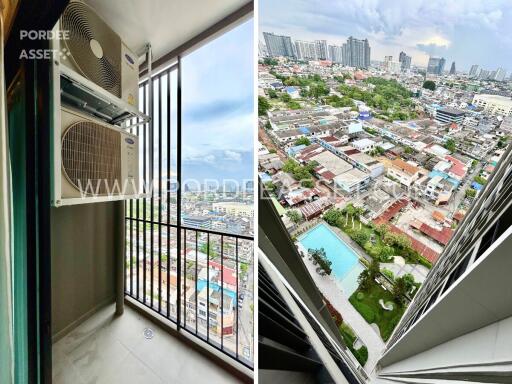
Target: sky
[
  {"x": 465, "y": 31},
  {"x": 218, "y": 108}
]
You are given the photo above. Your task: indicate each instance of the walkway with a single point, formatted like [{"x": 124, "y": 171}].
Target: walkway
[{"x": 331, "y": 289}]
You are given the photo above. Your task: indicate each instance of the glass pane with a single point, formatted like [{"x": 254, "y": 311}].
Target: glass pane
[{"x": 217, "y": 133}]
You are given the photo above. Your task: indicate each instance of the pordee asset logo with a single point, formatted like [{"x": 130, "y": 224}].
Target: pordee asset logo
[{"x": 41, "y": 53}]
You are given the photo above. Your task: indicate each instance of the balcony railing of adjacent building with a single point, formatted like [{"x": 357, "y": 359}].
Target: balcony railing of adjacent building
[{"x": 198, "y": 278}]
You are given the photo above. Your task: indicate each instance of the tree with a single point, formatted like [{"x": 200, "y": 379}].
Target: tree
[
  {"x": 450, "y": 145},
  {"x": 285, "y": 98},
  {"x": 302, "y": 141},
  {"x": 480, "y": 180},
  {"x": 270, "y": 186},
  {"x": 263, "y": 105},
  {"x": 429, "y": 84},
  {"x": 361, "y": 238},
  {"x": 364, "y": 280},
  {"x": 374, "y": 269},
  {"x": 332, "y": 216},
  {"x": 471, "y": 193},
  {"x": 408, "y": 150},
  {"x": 502, "y": 142},
  {"x": 403, "y": 285},
  {"x": 294, "y": 215},
  {"x": 270, "y": 61},
  {"x": 272, "y": 93},
  {"x": 320, "y": 257}
]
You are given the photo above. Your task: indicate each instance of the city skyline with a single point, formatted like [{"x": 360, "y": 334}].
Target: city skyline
[{"x": 419, "y": 28}]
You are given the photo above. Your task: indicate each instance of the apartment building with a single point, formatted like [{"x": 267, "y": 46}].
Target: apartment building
[
  {"x": 403, "y": 172},
  {"x": 494, "y": 104}
]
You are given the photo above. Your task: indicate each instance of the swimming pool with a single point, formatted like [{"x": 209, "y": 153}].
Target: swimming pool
[{"x": 345, "y": 262}]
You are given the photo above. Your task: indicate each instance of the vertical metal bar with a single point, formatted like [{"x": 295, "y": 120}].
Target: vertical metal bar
[
  {"x": 236, "y": 303},
  {"x": 159, "y": 194},
  {"x": 221, "y": 291},
  {"x": 168, "y": 191},
  {"x": 207, "y": 286},
  {"x": 185, "y": 278},
  {"x": 131, "y": 247},
  {"x": 196, "y": 281},
  {"x": 151, "y": 141},
  {"x": 144, "y": 202},
  {"x": 178, "y": 197}
]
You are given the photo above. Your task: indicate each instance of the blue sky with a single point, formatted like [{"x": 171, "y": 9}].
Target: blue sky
[
  {"x": 218, "y": 108},
  {"x": 465, "y": 31}
]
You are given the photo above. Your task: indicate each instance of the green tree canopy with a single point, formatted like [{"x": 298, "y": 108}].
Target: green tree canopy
[
  {"x": 263, "y": 106},
  {"x": 429, "y": 84}
]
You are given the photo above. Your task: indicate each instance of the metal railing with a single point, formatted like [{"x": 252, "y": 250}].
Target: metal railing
[{"x": 198, "y": 278}]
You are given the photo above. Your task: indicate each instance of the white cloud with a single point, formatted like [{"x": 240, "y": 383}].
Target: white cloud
[{"x": 232, "y": 155}]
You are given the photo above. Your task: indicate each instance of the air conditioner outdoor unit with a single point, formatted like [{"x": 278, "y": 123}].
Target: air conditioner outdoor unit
[
  {"x": 96, "y": 52},
  {"x": 97, "y": 161}
]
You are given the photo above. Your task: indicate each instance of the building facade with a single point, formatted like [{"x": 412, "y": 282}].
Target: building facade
[
  {"x": 436, "y": 65},
  {"x": 494, "y": 104},
  {"x": 356, "y": 53},
  {"x": 278, "y": 45},
  {"x": 305, "y": 50}
]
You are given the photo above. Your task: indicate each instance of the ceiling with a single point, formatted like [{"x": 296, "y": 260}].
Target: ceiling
[{"x": 166, "y": 24}]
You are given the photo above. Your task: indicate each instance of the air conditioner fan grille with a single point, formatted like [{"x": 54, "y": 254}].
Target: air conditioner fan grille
[
  {"x": 84, "y": 26},
  {"x": 91, "y": 158}
]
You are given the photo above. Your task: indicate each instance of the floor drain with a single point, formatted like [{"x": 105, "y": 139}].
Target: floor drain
[{"x": 148, "y": 333}]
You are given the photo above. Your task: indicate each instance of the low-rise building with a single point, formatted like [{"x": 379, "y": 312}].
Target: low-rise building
[
  {"x": 405, "y": 173},
  {"x": 494, "y": 104},
  {"x": 364, "y": 145},
  {"x": 352, "y": 181},
  {"x": 450, "y": 115}
]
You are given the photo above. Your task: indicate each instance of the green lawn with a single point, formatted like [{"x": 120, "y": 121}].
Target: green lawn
[
  {"x": 368, "y": 306},
  {"x": 348, "y": 335}
]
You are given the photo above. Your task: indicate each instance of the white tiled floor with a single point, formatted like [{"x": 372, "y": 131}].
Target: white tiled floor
[{"x": 113, "y": 350}]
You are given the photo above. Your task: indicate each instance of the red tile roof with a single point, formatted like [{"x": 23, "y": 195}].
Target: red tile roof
[
  {"x": 427, "y": 252},
  {"x": 392, "y": 210},
  {"x": 442, "y": 236}
]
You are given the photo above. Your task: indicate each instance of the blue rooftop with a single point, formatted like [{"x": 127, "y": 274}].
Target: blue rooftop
[
  {"x": 435, "y": 173},
  {"x": 476, "y": 186},
  {"x": 304, "y": 130},
  {"x": 290, "y": 89}
]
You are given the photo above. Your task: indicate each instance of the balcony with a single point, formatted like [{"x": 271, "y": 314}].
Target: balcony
[{"x": 130, "y": 349}]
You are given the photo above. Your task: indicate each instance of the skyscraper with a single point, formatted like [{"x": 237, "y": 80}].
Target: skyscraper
[
  {"x": 278, "y": 45},
  {"x": 405, "y": 61},
  {"x": 356, "y": 53},
  {"x": 436, "y": 65},
  {"x": 321, "y": 49},
  {"x": 306, "y": 50},
  {"x": 336, "y": 53},
  {"x": 262, "y": 49},
  {"x": 474, "y": 71},
  {"x": 452, "y": 68},
  {"x": 500, "y": 74}
]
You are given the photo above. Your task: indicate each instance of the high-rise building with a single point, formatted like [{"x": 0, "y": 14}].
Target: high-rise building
[
  {"x": 436, "y": 65},
  {"x": 356, "y": 53},
  {"x": 405, "y": 61},
  {"x": 321, "y": 49},
  {"x": 452, "y": 68},
  {"x": 500, "y": 74},
  {"x": 484, "y": 74},
  {"x": 278, "y": 45},
  {"x": 305, "y": 50},
  {"x": 474, "y": 71},
  {"x": 336, "y": 53},
  {"x": 262, "y": 49}
]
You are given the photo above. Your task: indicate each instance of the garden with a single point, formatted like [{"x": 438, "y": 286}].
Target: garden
[
  {"x": 376, "y": 240},
  {"x": 368, "y": 303}
]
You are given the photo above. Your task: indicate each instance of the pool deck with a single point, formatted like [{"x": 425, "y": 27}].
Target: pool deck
[{"x": 332, "y": 290}]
